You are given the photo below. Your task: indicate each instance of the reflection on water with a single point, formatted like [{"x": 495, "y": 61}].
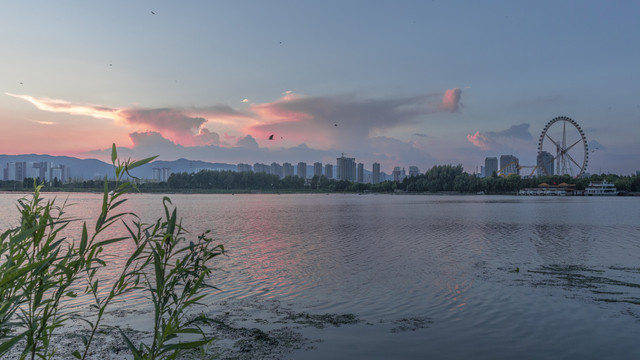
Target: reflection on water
[{"x": 460, "y": 276}]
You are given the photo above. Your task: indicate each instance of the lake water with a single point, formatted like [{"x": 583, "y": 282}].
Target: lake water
[{"x": 433, "y": 276}]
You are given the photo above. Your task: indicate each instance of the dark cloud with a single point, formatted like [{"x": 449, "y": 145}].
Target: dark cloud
[
  {"x": 164, "y": 120},
  {"x": 492, "y": 140},
  {"x": 247, "y": 142},
  {"x": 206, "y": 137},
  {"x": 390, "y": 152},
  {"x": 342, "y": 122},
  {"x": 516, "y": 131},
  {"x": 151, "y": 141},
  {"x": 349, "y": 111}
]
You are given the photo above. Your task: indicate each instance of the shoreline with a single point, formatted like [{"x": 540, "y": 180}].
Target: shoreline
[{"x": 262, "y": 192}]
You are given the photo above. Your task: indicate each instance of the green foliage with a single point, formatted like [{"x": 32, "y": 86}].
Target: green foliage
[
  {"x": 36, "y": 272},
  {"x": 174, "y": 280},
  {"x": 39, "y": 269},
  {"x": 229, "y": 180}
]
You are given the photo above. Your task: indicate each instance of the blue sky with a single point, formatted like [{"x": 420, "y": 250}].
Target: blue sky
[{"x": 210, "y": 80}]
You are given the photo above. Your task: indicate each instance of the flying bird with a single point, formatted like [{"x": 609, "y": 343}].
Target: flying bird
[
  {"x": 153, "y": 13},
  {"x": 271, "y": 137},
  {"x": 335, "y": 124}
]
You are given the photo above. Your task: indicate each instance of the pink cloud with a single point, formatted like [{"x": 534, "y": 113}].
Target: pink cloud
[
  {"x": 63, "y": 106},
  {"x": 323, "y": 125},
  {"x": 479, "y": 141},
  {"x": 451, "y": 100}
]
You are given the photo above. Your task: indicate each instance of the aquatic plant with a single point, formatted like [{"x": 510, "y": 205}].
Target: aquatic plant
[
  {"x": 35, "y": 275},
  {"x": 39, "y": 270},
  {"x": 174, "y": 279}
]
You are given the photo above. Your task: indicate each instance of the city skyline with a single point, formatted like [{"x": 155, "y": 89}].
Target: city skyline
[{"x": 410, "y": 84}]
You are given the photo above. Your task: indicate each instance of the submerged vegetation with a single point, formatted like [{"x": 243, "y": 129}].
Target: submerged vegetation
[{"x": 40, "y": 269}]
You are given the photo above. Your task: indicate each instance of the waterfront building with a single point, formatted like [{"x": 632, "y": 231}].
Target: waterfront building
[
  {"x": 244, "y": 168},
  {"x": 360, "y": 172},
  {"x": 545, "y": 164},
  {"x": 287, "y": 169},
  {"x": 376, "y": 173},
  {"x": 317, "y": 169},
  {"x": 302, "y": 170},
  {"x": 509, "y": 165},
  {"x": 276, "y": 169},
  {"x": 346, "y": 168},
  {"x": 490, "y": 166},
  {"x": 414, "y": 171},
  {"x": 328, "y": 171}
]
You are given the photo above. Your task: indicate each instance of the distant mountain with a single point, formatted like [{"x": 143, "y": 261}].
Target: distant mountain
[
  {"x": 87, "y": 169},
  {"x": 95, "y": 169},
  {"x": 79, "y": 168}
]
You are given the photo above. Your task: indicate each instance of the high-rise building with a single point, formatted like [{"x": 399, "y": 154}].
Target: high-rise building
[
  {"x": 490, "y": 166},
  {"x": 244, "y": 167},
  {"x": 276, "y": 169},
  {"x": 317, "y": 169},
  {"x": 302, "y": 170},
  {"x": 346, "y": 168},
  {"x": 16, "y": 170},
  {"x": 376, "y": 173},
  {"x": 414, "y": 171},
  {"x": 59, "y": 172},
  {"x": 509, "y": 165},
  {"x": 328, "y": 171},
  {"x": 160, "y": 174},
  {"x": 287, "y": 169},
  {"x": 545, "y": 164},
  {"x": 261, "y": 168},
  {"x": 397, "y": 174},
  {"x": 33, "y": 171},
  {"x": 166, "y": 172},
  {"x": 360, "y": 172}
]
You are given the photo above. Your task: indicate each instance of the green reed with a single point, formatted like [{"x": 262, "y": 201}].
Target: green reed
[{"x": 39, "y": 270}]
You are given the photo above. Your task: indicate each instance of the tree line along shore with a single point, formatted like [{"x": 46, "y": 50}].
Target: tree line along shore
[{"x": 438, "y": 179}]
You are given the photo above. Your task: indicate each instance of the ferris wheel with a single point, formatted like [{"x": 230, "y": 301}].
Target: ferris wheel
[{"x": 563, "y": 143}]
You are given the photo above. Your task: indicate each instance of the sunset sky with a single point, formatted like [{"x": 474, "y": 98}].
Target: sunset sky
[{"x": 396, "y": 82}]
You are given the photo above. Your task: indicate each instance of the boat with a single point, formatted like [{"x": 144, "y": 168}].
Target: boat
[{"x": 600, "y": 188}]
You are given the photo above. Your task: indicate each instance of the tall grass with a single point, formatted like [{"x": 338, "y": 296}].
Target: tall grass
[{"x": 40, "y": 269}]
